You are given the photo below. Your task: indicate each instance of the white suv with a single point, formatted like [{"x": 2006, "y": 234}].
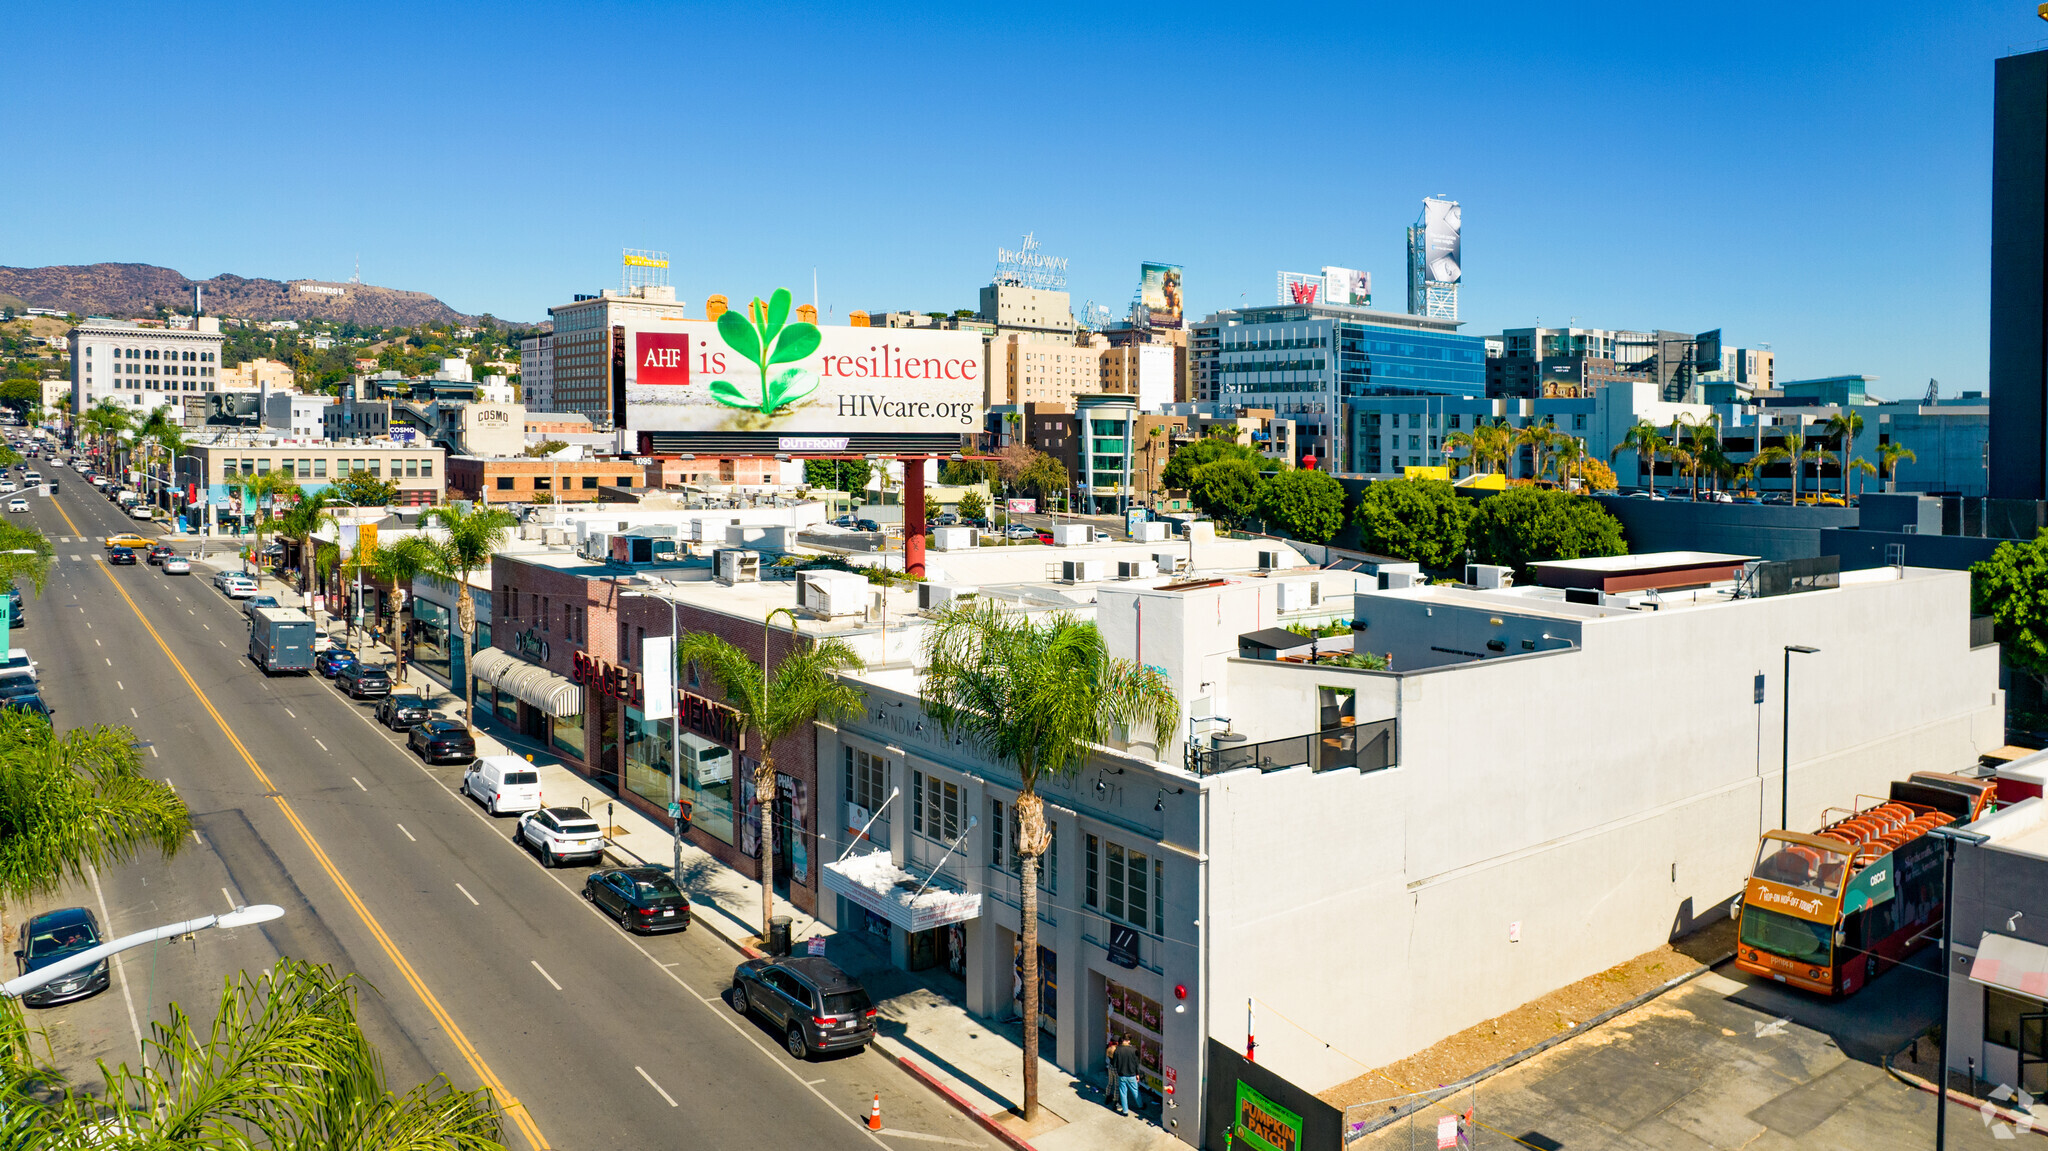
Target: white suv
[{"x": 561, "y": 833}]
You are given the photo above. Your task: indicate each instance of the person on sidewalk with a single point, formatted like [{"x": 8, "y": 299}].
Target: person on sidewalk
[{"x": 1123, "y": 1065}]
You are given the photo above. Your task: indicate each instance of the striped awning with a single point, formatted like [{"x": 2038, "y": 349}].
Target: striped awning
[
  {"x": 553, "y": 694},
  {"x": 2011, "y": 964}
]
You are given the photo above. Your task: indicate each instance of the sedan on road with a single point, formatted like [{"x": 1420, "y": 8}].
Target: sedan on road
[
  {"x": 235, "y": 585},
  {"x": 122, "y": 556},
  {"x": 642, "y": 899},
  {"x": 561, "y": 833},
  {"x": 363, "y": 681},
  {"x": 177, "y": 565},
  {"x": 1020, "y": 532},
  {"x": 817, "y": 1007},
  {"x": 128, "y": 540},
  {"x": 17, "y": 505},
  {"x": 50, "y": 937},
  {"x": 441, "y": 740},
  {"x": 141, "y": 512},
  {"x": 161, "y": 552},
  {"x": 330, "y": 662},
  {"x": 250, "y": 605},
  {"x": 402, "y": 712}
]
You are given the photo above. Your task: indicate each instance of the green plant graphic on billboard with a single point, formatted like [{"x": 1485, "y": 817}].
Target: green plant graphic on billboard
[{"x": 765, "y": 337}]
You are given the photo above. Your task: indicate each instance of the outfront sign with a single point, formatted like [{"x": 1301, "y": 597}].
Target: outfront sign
[{"x": 797, "y": 379}]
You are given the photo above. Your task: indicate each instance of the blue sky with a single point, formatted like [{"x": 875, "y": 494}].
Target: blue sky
[{"x": 1815, "y": 176}]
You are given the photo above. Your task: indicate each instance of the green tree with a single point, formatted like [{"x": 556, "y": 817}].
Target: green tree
[
  {"x": 1226, "y": 489},
  {"x": 1847, "y": 425},
  {"x": 544, "y": 448},
  {"x": 1791, "y": 450},
  {"x": 363, "y": 490},
  {"x": 2012, "y": 588},
  {"x": 969, "y": 472},
  {"x": 972, "y": 505},
  {"x": 1045, "y": 478},
  {"x": 1522, "y": 526},
  {"x": 849, "y": 476},
  {"x": 1302, "y": 505},
  {"x": 21, "y": 393},
  {"x": 301, "y": 521},
  {"x": 1645, "y": 441},
  {"x": 1038, "y": 695},
  {"x": 399, "y": 563},
  {"x": 806, "y": 686},
  {"x": 1424, "y": 521},
  {"x": 1889, "y": 454},
  {"x": 1179, "y": 473},
  {"x": 465, "y": 543}
]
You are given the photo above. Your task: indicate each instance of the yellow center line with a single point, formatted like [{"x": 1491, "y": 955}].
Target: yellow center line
[{"x": 520, "y": 1117}]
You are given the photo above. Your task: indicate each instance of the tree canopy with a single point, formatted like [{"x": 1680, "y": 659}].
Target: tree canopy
[
  {"x": 838, "y": 475},
  {"x": 1522, "y": 526},
  {"x": 363, "y": 490},
  {"x": 1044, "y": 477},
  {"x": 1424, "y": 521},
  {"x": 1227, "y": 489},
  {"x": 1181, "y": 466},
  {"x": 1303, "y": 505},
  {"x": 2012, "y": 588}
]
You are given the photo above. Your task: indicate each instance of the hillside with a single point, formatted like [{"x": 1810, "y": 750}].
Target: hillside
[{"x": 128, "y": 290}]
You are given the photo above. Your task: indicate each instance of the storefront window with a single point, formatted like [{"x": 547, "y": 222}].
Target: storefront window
[
  {"x": 707, "y": 783},
  {"x": 507, "y": 708},
  {"x": 433, "y": 632},
  {"x": 567, "y": 735},
  {"x": 647, "y": 758}
]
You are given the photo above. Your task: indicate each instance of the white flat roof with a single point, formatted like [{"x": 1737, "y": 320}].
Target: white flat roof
[{"x": 1646, "y": 561}]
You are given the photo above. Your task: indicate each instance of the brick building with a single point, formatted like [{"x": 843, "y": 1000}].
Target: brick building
[{"x": 520, "y": 479}]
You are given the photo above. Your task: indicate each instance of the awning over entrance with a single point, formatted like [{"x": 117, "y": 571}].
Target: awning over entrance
[
  {"x": 2012, "y": 964},
  {"x": 876, "y": 883},
  {"x": 553, "y": 694}
]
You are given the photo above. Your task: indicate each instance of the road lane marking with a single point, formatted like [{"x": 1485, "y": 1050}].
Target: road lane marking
[
  {"x": 551, "y": 982},
  {"x": 110, "y": 663},
  {"x": 134, "y": 714},
  {"x": 646, "y": 1076},
  {"x": 521, "y": 1118},
  {"x": 290, "y": 712},
  {"x": 231, "y": 899},
  {"x": 118, "y": 684},
  {"x": 196, "y": 839},
  {"x": 358, "y": 783},
  {"x": 467, "y": 895},
  {"x": 134, "y": 1024},
  {"x": 924, "y": 1138},
  {"x": 96, "y": 642},
  {"x": 152, "y": 752},
  {"x": 323, "y": 747},
  {"x": 408, "y": 834}
]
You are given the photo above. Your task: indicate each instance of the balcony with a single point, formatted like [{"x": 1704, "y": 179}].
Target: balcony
[{"x": 1365, "y": 746}]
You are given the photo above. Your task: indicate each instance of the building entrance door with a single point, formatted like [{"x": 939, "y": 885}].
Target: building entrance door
[
  {"x": 2033, "y": 1052},
  {"x": 608, "y": 743}
]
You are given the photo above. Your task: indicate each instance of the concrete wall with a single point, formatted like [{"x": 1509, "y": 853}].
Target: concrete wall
[
  {"x": 1602, "y": 799},
  {"x": 1991, "y": 883},
  {"x": 1866, "y": 549},
  {"x": 1775, "y": 532}
]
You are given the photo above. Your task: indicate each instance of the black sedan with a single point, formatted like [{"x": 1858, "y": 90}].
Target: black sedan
[
  {"x": 402, "y": 712},
  {"x": 52, "y": 936},
  {"x": 441, "y": 740},
  {"x": 122, "y": 556},
  {"x": 642, "y": 899}
]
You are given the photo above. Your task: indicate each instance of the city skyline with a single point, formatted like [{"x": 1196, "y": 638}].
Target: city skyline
[{"x": 1817, "y": 185}]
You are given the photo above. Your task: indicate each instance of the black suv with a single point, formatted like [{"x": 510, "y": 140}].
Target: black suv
[
  {"x": 363, "y": 681},
  {"x": 818, "y": 1007},
  {"x": 402, "y": 712},
  {"x": 441, "y": 740}
]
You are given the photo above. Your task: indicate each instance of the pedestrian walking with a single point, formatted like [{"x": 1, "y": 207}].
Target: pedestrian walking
[{"x": 1123, "y": 1065}]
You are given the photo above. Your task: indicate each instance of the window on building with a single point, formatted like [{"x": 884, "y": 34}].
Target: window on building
[
  {"x": 262, "y": 467},
  {"x": 504, "y": 483},
  {"x": 427, "y": 468},
  {"x": 1579, "y": 422},
  {"x": 320, "y": 468},
  {"x": 1121, "y": 883},
  {"x": 867, "y": 780},
  {"x": 589, "y": 483},
  {"x": 547, "y": 611},
  {"x": 412, "y": 469},
  {"x": 543, "y": 483},
  {"x": 934, "y": 807},
  {"x": 376, "y": 468}
]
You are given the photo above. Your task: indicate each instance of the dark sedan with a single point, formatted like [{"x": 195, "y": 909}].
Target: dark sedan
[
  {"x": 330, "y": 662},
  {"x": 642, "y": 899},
  {"x": 817, "y": 1007},
  {"x": 402, "y": 712},
  {"x": 363, "y": 681},
  {"x": 161, "y": 552},
  {"x": 122, "y": 556},
  {"x": 441, "y": 740},
  {"x": 50, "y": 937}
]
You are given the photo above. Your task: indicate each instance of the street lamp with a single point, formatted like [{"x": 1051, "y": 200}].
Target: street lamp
[
  {"x": 1785, "y": 738},
  {"x": 1950, "y": 836},
  {"x": 675, "y": 736},
  {"x": 240, "y": 917}
]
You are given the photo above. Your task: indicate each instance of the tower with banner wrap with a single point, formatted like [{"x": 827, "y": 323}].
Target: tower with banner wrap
[{"x": 1436, "y": 259}]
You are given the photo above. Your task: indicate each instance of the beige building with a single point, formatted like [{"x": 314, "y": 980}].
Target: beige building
[
  {"x": 255, "y": 374},
  {"x": 1028, "y": 369},
  {"x": 582, "y": 347},
  {"x": 217, "y": 469}
]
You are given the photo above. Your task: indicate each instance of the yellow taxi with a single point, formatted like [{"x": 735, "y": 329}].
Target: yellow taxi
[{"x": 128, "y": 540}]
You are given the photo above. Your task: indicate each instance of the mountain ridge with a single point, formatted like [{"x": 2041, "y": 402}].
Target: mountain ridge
[{"x": 127, "y": 290}]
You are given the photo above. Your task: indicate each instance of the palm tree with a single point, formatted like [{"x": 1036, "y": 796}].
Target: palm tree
[
  {"x": 1470, "y": 443},
  {"x": 1702, "y": 437},
  {"x": 806, "y": 687},
  {"x": 282, "y": 1062},
  {"x": 1541, "y": 440},
  {"x": 1847, "y": 424},
  {"x": 1643, "y": 439},
  {"x": 471, "y": 539},
  {"x": 1793, "y": 450},
  {"x": 1571, "y": 455},
  {"x": 74, "y": 802},
  {"x": 1742, "y": 476},
  {"x": 1888, "y": 456},
  {"x": 1037, "y": 695},
  {"x": 300, "y": 523},
  {"x": 1863, "y": 468},
  {"x": 399, "y": 564}
]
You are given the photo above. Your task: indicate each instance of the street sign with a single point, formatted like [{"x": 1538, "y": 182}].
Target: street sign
[
  {"x": 1759, "y": 687},
  {"x": 675, "y": 810}
]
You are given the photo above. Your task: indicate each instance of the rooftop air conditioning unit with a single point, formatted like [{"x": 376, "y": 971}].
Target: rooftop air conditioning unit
[
  {"x": 1169, "y": 562},
  {"x": 1067, "y": 535},
  {"x": 553, "y": 537},
  {"x": 1390, "y": 581},
  {"x": 529, "y": 531},
  {"x": 1137, "y": 569},
  {"x": 1152, "y": 532},
  {"x": 1300, "y": 595},
  {"x": 1081, "y": 571},
  {"x": 733, "y": 565},
  {"x": 1489, "y": 575},
  {"x": 932, "y": 596},
  {"x": 955, "y": 539},
  {"x": 596, "y": 546},
  {"x": 1275, "y": 560},
  {"x": 831, "y": 593}
]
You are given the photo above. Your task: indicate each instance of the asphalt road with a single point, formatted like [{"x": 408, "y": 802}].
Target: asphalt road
[{"x": 483, "y": 964}]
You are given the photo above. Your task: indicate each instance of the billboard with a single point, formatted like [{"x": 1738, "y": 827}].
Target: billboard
[
  {"x": 1159, "y": 291},
  {"x": 1299, "y": 288},
  {"x": 793, "y": 378},
  {"x": 1347, "y": 286},
  {"x": 1443, "y": 255}
]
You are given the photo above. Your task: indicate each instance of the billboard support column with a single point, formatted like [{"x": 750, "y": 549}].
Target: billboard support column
[{"x": 913, "y": 515}]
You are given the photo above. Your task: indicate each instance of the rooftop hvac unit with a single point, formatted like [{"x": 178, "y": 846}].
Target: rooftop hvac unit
[
  {"x": 1081, "y": 571},
  {"x": 1275, "y": 560},
  {"x": 1169, "y": 562},
  {"x": 1390, "y": 581},
  {"x": 831, "y": 593},
  {"x": 1152, "y": 532},
  {"x": 1300, "y": 595},
  {"x": 955, "y": 539},
  {"x": 554, "y": 537},
  {"x": 931, "y": 596},
  {"x": 632, "y": 550},
  {"x": 732, "y": 565},
  {"x": 596, "y": 546},
  {"x": 529, "y": 531},
  {"x": 1489, "y": 576},
  {"x": 1067, "y": 535},
  {"x": 1137, "y": 569}
]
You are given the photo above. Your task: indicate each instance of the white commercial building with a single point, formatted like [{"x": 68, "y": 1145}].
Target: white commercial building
[{"x": 142, "y": 368}]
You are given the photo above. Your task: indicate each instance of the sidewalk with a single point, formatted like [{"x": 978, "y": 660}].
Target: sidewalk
[{"x": 977, "y": 1065}]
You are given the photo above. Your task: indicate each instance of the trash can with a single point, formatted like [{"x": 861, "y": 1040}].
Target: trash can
[{"x": 778, "y": 935}]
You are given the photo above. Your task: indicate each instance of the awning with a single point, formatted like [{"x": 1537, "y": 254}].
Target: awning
[
  {"x": 551, "y": 693},
  {"x": 2011, "y": 964},
  {"x": 876, "y": 883}
]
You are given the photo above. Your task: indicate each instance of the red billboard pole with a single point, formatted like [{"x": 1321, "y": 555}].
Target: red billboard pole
[{"x": 913, "y": 515}]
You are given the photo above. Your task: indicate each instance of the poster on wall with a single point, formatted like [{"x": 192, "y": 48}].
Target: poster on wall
[{"x": 1159, "y": 292}]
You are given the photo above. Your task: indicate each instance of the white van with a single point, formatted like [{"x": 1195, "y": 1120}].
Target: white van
[{"x": 503, "y": 783}]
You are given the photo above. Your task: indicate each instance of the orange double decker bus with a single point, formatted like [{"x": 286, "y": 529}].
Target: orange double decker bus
[{"x": 1828, "y": 912}]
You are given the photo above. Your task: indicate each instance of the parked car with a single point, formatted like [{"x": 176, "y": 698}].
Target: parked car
[
  {"x": 642, "y": 899},
  {"x": 330, "y": 662},
  {"x": 31, "y": 701},
  {"x": 947, "y": 520},
  {"x": 51, "y": 936},
  {"x": 235, "y": 585},
  {"x": 177, "y": 565},
  {"x": 402, "y": 712},
  {"x": 867, "y": 525},
  {"x": 501, "y": 783},
  {"x": 161, "y": 552},
  {"x": 845, "y": 522},
  {"x": 250, "y": 605},
  {"x": 121, "y": 556},
  {"x": 441, "y": 740},
  {"x": 561, "y": 833},
  {"x": 363, "y": 681},
  {"x": 141, "y": 512},
  {"x": 817, "y": 1007},
  {"x": 1020, "y": 532}
]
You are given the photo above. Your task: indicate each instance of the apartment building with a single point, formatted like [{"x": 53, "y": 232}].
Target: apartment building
[
  {"x": 142, "y": 368},
  {"x": 581, "y": 354},
  {"x": 211, "y": 473},
  {"x": 537, "y": 372}
]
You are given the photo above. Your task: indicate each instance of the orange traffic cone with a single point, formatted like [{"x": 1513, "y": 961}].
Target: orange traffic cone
[{"x": 875, "y": 1114}]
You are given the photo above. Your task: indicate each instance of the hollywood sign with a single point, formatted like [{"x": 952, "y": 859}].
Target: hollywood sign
[{"x": 321, "y": 290}]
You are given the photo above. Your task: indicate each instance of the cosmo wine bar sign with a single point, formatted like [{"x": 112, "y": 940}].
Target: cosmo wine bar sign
[{"x": 758, "y": 370}]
